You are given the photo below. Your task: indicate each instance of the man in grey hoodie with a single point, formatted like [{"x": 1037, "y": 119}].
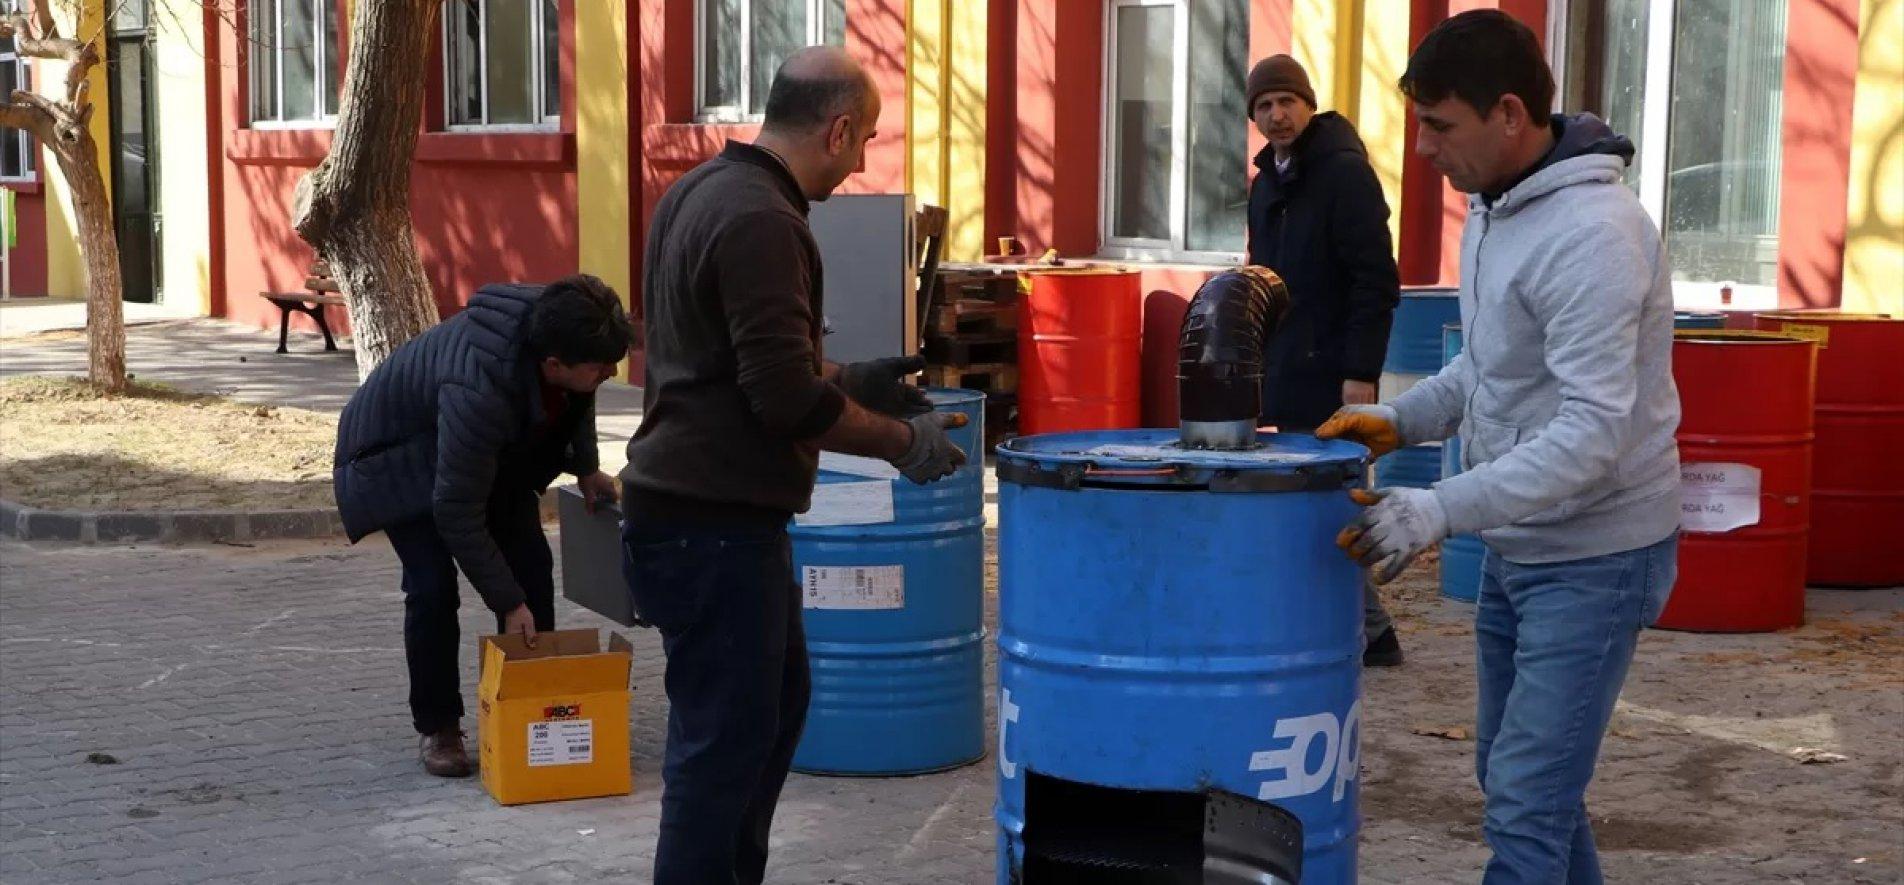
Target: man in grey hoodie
[{"x": 1565, "y": 404}]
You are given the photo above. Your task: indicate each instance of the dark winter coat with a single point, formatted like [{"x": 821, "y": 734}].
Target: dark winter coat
[
  {"x": 453, "y": 415},
  {"x": 1323, "y": 227}
]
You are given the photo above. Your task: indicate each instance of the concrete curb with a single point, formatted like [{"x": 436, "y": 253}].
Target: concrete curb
[{"x": 22, "y": 523}]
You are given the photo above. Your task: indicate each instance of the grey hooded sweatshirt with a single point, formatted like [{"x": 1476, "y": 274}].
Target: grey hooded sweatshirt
[{"x": 1563, "y": 394}]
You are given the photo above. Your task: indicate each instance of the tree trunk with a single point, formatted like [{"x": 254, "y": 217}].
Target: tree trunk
[
  {"x": 354, "y": 208},
  {"x": 99, "y": 246}
]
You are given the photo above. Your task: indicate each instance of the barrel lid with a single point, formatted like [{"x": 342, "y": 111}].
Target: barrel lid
[
  {"x": 1734, "y": 336},
  {"x": 1156, "y": 458},
  {"x": 953, "y": 396},
  {"x": 1826, "y": 316}
]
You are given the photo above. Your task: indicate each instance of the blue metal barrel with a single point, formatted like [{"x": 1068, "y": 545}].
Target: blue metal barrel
[
  {"x": 1173, "y": 622},
  {"x": 1461, "y": 554},
  {"x": 1414, "y": 340},
  {"x": 1414, "y": 353},
  {"x": 894, "y": 582},
  {"x": 1699, "y": 319}
]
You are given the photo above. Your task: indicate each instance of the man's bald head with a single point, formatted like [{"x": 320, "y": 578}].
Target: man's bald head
[{"x": 814, "y": 87}]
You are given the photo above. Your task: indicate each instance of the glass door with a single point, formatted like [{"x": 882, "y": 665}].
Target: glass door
[
  {"x": 134, "y": 159},
  {"x": 1699, "y": 87}
]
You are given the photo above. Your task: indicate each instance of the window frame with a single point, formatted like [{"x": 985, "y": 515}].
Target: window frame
[
  {"x": 549, "y": 119},
  {"x": 1176, "y": 249},
  {"x": 323, "y": 92},
  {"x": 1654, "y": 152},
  {"x": 29, "y": 149},
  {"x": 737, "y": 112}
]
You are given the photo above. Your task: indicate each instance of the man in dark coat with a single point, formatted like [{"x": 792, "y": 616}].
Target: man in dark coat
[
  {"x": 447, "y": 448},
  {"x": 1318, "y": 219}
]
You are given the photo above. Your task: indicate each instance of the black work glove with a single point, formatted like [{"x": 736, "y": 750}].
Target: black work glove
[
  {"x": 880, "y": 385},
  {"x": 932, "y": 455}
]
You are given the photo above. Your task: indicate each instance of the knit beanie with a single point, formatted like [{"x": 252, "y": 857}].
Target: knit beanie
[{"x": 1277, "y": 73}]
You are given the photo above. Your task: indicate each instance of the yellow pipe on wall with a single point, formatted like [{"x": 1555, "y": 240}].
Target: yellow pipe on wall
[
  {"x": 65, "y": 269},
  {"x": 1354, "y": 51},
  {"x": 945, "y": 117},
  {"x": 178, "y": 88},
  {"x": 1874, "y": 231},
  {"x": 604, "y": 176}
]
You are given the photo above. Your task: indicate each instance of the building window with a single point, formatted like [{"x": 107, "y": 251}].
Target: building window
[
  {"x": 294, "y": 72},
  {"x": 16, "y": 145},
  {"x": 502, "y": 61},
  {"x": 1176, "y": 139},
  {"x": 1699, "y": 87},
  {"x": 743, "y": 42}
]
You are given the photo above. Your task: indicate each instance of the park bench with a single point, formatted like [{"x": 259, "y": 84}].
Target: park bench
[{"x": 323, "y": 292}]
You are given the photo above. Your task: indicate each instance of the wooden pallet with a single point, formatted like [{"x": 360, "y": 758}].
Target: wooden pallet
[
  {"x": 968, "y": 316},
  {"x": 988, "y": 378},
  {"x": 973, "y": 349}
]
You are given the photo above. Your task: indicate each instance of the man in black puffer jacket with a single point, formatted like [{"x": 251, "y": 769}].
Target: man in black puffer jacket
[
  {"x": 1318, "y": 219},
  {"x": 447, "y": 448}
]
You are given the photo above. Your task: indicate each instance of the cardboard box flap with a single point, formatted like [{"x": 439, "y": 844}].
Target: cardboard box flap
[
  {"x": 552, "y": 643},
  {"x": 564, "y": 662}
]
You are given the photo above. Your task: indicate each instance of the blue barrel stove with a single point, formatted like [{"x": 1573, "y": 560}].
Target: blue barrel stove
[{"x": 1179, "y": 641}]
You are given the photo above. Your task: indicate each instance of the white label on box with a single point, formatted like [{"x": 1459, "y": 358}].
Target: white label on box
[
  {"x": 855, "y": 587},
  {"x": 1718, "y": 497},
  {"x": 570, "y": 742},
  {"x": 849, "y": 503}
]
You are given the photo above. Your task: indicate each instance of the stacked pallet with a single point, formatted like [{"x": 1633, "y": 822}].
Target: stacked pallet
[{"x": 971, "y": 339}]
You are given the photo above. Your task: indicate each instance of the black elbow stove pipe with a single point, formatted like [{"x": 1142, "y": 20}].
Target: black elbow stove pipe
[{"x": 1220, "y": 355}]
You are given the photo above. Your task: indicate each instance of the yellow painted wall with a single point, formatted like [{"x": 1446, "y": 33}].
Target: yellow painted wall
[
  {"x": 65, "y": 270},
  {"x": 602, "y": 173},
  {"x": 1354, "y": 50},
  {"x": 184, "y": 198},
  {"x": 1874, "y": 235},
  {"x": 945, "y": 117}
]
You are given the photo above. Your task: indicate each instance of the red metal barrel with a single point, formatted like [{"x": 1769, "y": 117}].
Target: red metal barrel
[
  {"x": 1080, "y": 335},
  {"x": 1858, "y": 465},
  {"x": 1745, "y": 451}
]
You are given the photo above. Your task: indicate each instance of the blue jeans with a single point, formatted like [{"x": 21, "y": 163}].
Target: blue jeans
[
  {"x": 1553, "y": 642},
  {"x": 728, "y": 609}
]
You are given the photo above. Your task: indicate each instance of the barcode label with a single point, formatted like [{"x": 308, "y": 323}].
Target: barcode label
[
  {"x": 561, "y": 743},
  {"x": 855, "y": 587}
]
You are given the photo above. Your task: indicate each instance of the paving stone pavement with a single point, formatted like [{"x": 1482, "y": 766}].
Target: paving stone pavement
[{"x": 253, "y": 700}]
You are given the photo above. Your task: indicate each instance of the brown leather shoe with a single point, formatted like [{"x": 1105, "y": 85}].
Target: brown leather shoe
[{"x": 443, "y": 753}]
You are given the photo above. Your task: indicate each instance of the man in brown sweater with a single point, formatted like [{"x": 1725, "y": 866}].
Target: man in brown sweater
[{"x": 738, "y": 404}]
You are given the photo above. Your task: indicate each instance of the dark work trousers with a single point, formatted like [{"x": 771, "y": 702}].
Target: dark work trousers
[
  {"x": 728, "y": 609},
  {"x": 432, "y": 642}
]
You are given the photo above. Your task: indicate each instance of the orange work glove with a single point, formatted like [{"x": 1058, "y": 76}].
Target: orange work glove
[{"x": 1372, "y": 426}]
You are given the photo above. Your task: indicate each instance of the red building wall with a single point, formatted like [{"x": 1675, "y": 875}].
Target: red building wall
[{"x": 485, "y": 207}]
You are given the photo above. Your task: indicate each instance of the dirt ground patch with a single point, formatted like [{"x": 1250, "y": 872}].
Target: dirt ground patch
[{"x": 66, "y": 445}]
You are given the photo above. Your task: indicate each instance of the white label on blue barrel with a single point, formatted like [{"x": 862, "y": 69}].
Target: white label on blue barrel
[
  {"x": 855, "y": 587},
  {"x": 1716, "y": 497},
  {"x": 1007, "y": 714},
  {"x": 849, "y": 503},
  {"x": 854, "y": 465}
]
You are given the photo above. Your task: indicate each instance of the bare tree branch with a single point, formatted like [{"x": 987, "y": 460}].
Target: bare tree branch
[
  {"x": 55, "y": 115},
  {"x": 30, "y": 117}
]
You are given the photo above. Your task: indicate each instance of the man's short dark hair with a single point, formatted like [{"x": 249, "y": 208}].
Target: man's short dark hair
[
  {"x": 803, "y": 104},
  {"x": 579, "y": 319},
  {"x": 1479, "y": 56}
]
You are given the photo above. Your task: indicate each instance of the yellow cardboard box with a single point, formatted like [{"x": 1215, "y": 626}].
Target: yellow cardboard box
[{"x": 553, "y": 721}]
